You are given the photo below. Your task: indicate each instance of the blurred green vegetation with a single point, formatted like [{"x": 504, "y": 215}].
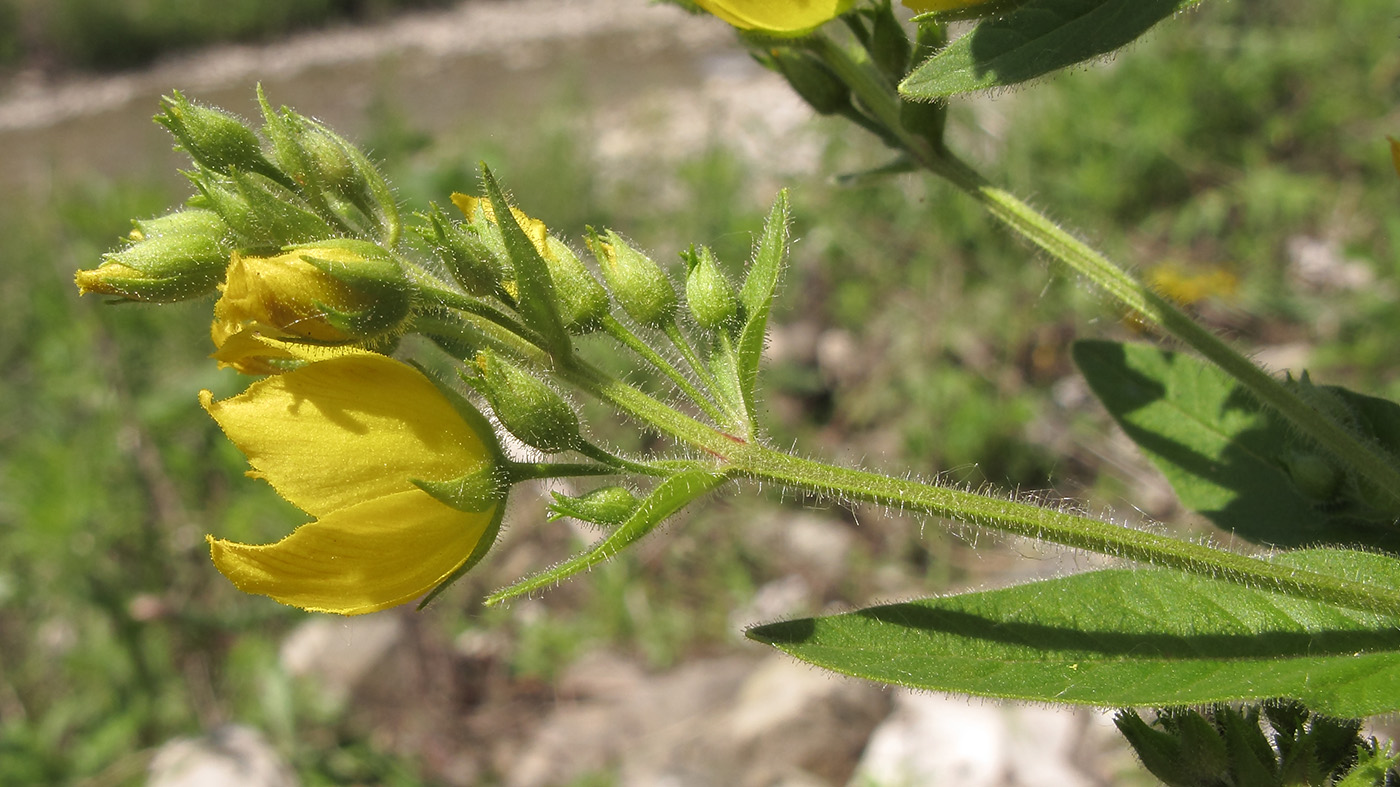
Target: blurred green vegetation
[
  {"x": 933, "y": 343},
  {"x": 107, "y": 34}
]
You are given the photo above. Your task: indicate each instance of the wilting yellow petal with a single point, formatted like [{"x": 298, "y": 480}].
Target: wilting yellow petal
[
  {"x": 778, "y": 17},
  {"x": 339, "y": 432},
  {"x": 371, "y": 556},
  {"x": 253, "y": 351}
]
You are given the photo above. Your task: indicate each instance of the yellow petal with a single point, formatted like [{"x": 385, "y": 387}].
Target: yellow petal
[
  {"x": 342, "y": 431},
  {"x": 253, "y": 351},
  {"x": 779, "y": 17},
  {"x": 372, "y": 556}
]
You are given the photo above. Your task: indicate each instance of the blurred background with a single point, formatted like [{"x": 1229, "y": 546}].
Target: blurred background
[{"x": 1237, "y": 154}]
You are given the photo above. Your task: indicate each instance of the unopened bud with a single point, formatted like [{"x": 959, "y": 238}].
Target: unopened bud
[
  {"x": 264, "y": 213},
  {"x": 607, "y": 506},
  {"x": 708, "y": 293},
  {"x": 333, "y": 170},
  {"x": 525, "y": 405},
  {"x": 214, "y": 138},
  {"x": 581, "y": 299},
  {"x": 638, "y": 283},
  {"x": 176, "y": 257},
  {"x": 471, "y": 261},
  {"x": 334, "y": 292}
]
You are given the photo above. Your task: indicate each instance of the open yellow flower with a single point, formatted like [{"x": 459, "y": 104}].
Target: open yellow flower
[
  {"x": 777, "y": 17},
  {"x": 345, "y": 439}
]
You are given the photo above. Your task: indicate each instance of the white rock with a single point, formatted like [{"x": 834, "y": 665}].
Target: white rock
[{"x": 231, "y": 756}]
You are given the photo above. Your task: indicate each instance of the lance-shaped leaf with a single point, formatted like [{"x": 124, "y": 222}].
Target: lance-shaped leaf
[
  {"x": 537, "y": 302},
  {"x": 756, "y": 298},
  {"x": 1226, "y": 456},
  {"x": 1035, "y": 39},
  {"x": 1149, "y": 637},
  {"x": 670, "y": 496}
]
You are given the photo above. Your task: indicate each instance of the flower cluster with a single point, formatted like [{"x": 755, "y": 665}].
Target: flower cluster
[{"x": 297, "y": 232}]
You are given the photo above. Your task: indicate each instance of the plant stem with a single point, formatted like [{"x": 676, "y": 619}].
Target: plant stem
[
  {"x": 692, "y": 358},
  {"x": 741, "y": 458},
  {"x": 1365, "y": 457},
  {"x": 621, "y": 333}
]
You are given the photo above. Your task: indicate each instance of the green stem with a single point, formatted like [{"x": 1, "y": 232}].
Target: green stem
[
  {"x": 629, "y": 340},
  {"x": 617, "y": 462},
  {"x": 741, "y": 458},
  {"x": 1365, "y": 457},
  {"x": 678, "y": 340},
  {"x": 529, "y": 471}
]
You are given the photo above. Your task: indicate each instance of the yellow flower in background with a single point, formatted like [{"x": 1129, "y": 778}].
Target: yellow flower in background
[
  {"x": 344, "y": 440},
  {"x": 777, "y": 17},
  {"x": 1187, "y": 287}
]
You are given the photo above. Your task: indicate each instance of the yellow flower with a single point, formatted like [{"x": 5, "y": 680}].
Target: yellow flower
[
  {"x": 333, "y": 293},
  {"x": 777, "y": 17},
  {"x": 345, "y": 440}
]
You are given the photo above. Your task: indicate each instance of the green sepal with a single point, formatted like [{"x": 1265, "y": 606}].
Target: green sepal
[
  {"x": 667, "y": 498},
  {"x": 215, "y": 139},
  {"x": 812, "y": 80},
  {"x": 1158, "y": 750},
  {"x": 607, "y": 506},
  {"x": 472, "y": 263},
  {"x": 889, "y": 44},
  {"x": 525, "y": 405},
  {"x": 473, "y": 492},
  {"x": 537, "y": 301},
  {"x": 756, "y": 298},
  {"x": 1376, "y": 766},
  {"x": 378, "y": 276},
  {"x": 280, "y": 214}
]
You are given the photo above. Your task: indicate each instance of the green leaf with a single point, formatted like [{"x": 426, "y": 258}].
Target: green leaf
[
  {"x": 1035, "y": 39},
  {"x": 1126, "y": 638},
  {"x": 670, "y": 496},
  {"x": 537, "y": 302},
  {"x": 1227, "y": 457},
  {"x": 756, "y": 297}
]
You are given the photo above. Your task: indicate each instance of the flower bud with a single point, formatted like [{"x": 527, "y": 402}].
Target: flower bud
[
  {"x": 336, "y": 172},
  {"x": 469, "y": 259},
  {"x": 708, "y": 293},
  {"x": 525, "y": 405},
  {"x": 607, "y": 506},
  {"x": 176, "y": 257},
  {"x": 334, "y": 292},
  {"x": 263, "y": 212},
  {"x": 582, "y": 301},
  {"x": 638, "y": 283},
  {"x": 1312, "y": 475},
  {"x": 215, "y": 139}
]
